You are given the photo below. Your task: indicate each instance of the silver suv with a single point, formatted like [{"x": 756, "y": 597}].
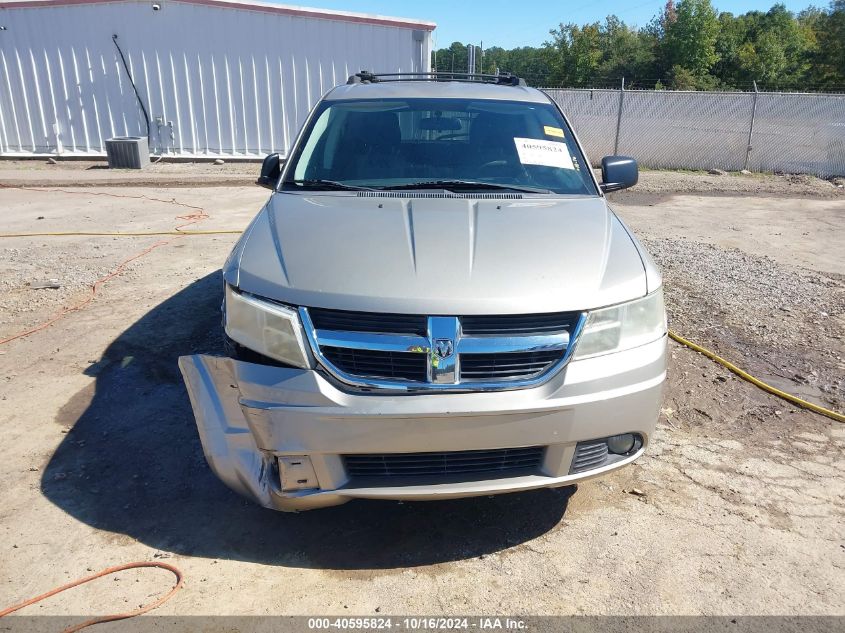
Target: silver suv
[{"x": 436, "y": 301}]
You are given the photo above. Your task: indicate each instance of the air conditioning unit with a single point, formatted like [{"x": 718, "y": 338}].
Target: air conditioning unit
[{"x": 128, "y": 152}]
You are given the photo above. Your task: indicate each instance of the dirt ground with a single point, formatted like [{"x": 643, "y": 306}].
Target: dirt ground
[{"x": 743, "y": 504}]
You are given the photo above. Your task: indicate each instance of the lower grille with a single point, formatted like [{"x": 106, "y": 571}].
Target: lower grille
[
  {"x": 498, "y": 461},
  {"x": 507, "y": 366},
  {"x": 589, "y": 455},
  {"x": 378, "y": 364}
]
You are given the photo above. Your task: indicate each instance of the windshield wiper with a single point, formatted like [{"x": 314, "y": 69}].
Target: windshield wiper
[
  {"x": 326, "y": 184},
  {"x": 451, "y": 185}
]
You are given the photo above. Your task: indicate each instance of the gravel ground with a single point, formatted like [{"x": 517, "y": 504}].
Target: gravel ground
[
  {"x": 160, "y": 169},
  {"x": 685, "y": 182},
  {"x": 82, "y": 173},
  {"x": 783, "y": 322},
  {"x": 24, "y": 268},
  {"x": 742, "y": 495}
]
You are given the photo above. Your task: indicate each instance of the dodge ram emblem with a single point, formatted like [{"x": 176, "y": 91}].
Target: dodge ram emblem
[{"x": 444, "y": 347}]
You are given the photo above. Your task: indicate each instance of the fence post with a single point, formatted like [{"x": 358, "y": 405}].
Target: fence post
[
  {"x": 751, "y": 127},
  {"x": 619, "y": 117}
]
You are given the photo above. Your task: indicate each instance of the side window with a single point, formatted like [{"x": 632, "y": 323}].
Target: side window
[
  {"x": 315, "y": 139},
  {"x": 329, "y": 144},
  {"x": 409, "y": 122}
]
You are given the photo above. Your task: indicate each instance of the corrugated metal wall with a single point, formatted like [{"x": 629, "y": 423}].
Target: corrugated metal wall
[{"x": 216, "y": 81}]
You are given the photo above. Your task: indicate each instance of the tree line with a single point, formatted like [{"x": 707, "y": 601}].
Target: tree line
[{"x": 689, "y": 45}]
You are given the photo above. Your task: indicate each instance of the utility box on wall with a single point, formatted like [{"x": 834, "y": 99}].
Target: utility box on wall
[{"x": 127, "y": 152}]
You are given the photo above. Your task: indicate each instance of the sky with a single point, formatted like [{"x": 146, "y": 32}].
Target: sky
[{"x": 513, "y": 23}]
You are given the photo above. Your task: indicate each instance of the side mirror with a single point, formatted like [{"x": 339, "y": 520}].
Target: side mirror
[
  {"x": 618, "y": 172},
  {"x": 271, "y": 169}
]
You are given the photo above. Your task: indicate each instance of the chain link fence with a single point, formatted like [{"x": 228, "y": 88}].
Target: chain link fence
[{"x": 758, "y": 131}]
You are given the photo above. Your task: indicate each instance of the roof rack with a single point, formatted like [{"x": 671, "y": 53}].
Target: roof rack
[{"x": 501, "y": 79}]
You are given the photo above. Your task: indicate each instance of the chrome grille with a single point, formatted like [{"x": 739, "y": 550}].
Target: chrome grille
[
  {"x": 510, "y": 366},
  {"x": 498, "y": 461},
  {"x": 367, "y": 322},
  {"x": 440, "y": 353},
  {"x": 376, "y": 364},
  {"x": 589, "y": 455},
  {"x": 519, "y": 323}
]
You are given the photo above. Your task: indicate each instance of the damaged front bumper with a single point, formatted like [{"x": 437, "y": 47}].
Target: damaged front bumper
[{"x": 279, "y": 436}]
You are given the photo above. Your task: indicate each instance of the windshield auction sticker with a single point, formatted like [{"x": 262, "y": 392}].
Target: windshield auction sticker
[{"x": 547, "y": 153}]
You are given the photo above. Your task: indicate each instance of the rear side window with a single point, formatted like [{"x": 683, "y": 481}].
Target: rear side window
[{"x": 389, "y": 143}]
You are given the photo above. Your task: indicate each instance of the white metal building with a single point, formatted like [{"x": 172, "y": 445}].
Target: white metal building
[{"x": 224, "y": 78}]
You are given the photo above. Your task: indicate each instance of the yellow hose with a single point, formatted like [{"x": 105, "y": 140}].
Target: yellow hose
[
  {"x": 120, "y": 234},
  {"x": 755, "y": 381}
]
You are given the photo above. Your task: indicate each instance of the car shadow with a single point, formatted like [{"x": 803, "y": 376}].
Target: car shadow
[{"x": 131, "y": 463}]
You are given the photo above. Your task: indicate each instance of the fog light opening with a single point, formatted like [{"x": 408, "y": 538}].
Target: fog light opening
[{"x": 621, "y": 444}]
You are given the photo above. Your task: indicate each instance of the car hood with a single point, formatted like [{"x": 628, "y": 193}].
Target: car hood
[{"x": 438, "y": 255}]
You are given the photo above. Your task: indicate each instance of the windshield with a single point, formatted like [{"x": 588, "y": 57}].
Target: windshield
[{"x": 454, "y": 144}]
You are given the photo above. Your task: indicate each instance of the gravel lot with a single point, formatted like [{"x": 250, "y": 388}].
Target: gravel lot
[{"x": 743, "y": 495}]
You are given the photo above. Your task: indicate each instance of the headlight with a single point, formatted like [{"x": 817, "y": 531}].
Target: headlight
[
  {"x": 264, "y": 327},
  {"x": 623, "y": 327}
]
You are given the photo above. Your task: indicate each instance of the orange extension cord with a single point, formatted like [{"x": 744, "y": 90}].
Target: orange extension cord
[
  {"x": 116, "y": 616},
  {"x": 198, "y": 215}
]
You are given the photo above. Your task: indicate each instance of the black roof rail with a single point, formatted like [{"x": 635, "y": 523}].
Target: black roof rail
[{"x": 502, "y": 79}]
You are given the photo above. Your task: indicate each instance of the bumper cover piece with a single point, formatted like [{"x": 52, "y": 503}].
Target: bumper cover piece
[{"x": 277, "y": 435}]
